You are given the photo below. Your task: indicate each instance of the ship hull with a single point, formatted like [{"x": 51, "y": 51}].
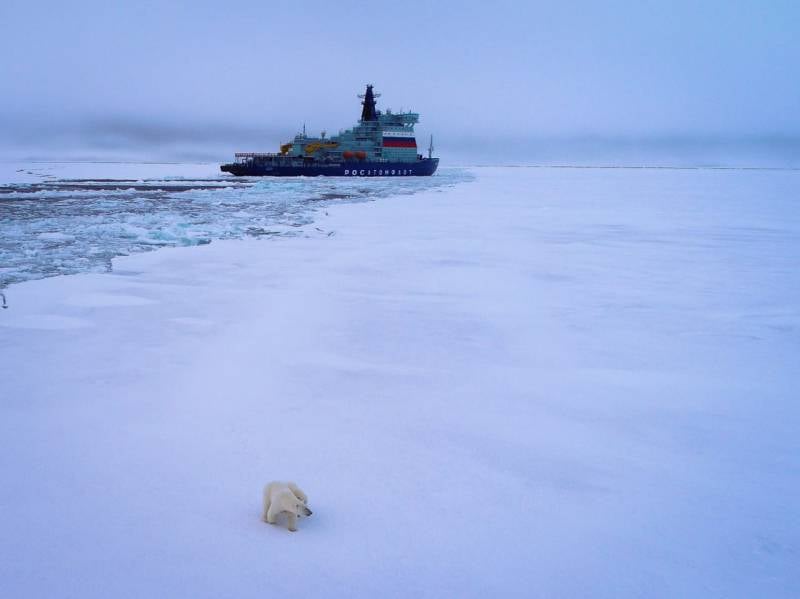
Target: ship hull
[{"x": 420, "y": 168}]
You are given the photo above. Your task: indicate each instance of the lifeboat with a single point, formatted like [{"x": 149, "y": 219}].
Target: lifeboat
[{"x": 361, "y": 154}]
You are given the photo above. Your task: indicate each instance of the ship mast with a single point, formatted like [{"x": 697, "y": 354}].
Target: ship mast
[
  {"x": 430, "y": 148},
  {"x": 368, "y": 112}
]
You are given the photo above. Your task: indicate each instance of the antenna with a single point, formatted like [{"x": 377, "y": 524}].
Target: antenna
[
  {"x": 304, "y": 128},
  {"x": 430, "y": 147},
  {"x": 364, "y": 95}
]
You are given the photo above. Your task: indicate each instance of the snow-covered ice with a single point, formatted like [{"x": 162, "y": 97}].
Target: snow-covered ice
[{"x": 541, "y": 383}]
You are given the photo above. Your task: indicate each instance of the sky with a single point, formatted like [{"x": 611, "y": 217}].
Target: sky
[{"x": 492, "y": 80}]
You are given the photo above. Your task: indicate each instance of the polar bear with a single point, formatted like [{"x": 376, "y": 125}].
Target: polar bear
[{"x": 284, "y": 497}]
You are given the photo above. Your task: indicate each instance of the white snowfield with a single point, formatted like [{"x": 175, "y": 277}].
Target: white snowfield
[{"x": 545, "y": 383}]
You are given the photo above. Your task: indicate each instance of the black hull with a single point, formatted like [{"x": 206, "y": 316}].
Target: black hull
[{"x": 420, "y": 168}]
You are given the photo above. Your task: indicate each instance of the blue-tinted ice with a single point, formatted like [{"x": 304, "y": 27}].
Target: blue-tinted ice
[{"x": 67, "y": 226}]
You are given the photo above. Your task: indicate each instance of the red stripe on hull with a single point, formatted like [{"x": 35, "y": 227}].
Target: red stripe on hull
[{"x": 395, "y": 142}]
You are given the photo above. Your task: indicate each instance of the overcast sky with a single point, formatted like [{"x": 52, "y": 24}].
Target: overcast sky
[{"x": 104, "y": 75}]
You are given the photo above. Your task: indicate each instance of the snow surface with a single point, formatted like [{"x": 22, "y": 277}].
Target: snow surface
[
  {"x": 543, "y": 383},
  {"x": 32, "y": 172}
]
